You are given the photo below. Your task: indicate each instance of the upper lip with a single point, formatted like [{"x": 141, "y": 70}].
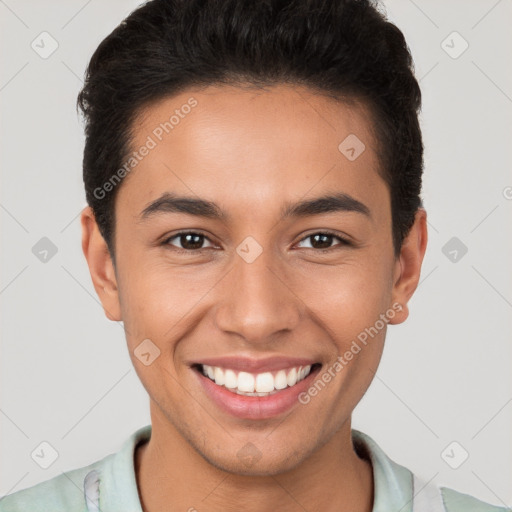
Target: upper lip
[{"x": 247, "y": 364}]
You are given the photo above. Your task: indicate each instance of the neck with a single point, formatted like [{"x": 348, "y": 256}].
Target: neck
[{"x": 173, "y": 475}]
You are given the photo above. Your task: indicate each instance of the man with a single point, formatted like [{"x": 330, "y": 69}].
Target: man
[{"x": 253, "y": 173}]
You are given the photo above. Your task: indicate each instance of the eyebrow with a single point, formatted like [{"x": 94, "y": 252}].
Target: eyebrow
[{"x": 172, "y": 203}]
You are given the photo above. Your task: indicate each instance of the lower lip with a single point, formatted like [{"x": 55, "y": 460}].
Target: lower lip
[{"x": 255, "y": 407}]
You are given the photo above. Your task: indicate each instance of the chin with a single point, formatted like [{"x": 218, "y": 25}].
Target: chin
[{"x": 251, "y": 461}]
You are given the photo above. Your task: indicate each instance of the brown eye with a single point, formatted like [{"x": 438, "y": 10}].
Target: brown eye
[
  {"x": 323, "y": 240},
  {"x": 188, "y": 240}
]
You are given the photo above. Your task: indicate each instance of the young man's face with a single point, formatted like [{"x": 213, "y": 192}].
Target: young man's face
[{"x": 253, "y": 284}]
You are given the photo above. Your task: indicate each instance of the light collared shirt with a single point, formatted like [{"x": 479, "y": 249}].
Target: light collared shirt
[{"x": 109, "y": 485}]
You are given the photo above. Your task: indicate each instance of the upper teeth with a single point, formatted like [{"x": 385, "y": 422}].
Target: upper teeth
[{"x": 247, "y": 383}]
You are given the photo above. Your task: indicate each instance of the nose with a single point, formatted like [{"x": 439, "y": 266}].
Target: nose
[{"x": 257, "y": 301}]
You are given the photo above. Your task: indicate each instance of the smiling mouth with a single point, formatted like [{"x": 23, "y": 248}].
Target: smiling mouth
[{"x": 256, "y": 384}]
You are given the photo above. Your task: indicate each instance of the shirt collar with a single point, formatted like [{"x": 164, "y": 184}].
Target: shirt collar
[
  {"x": 392, "y": 483},
  {"x": 118, "y": 485}
]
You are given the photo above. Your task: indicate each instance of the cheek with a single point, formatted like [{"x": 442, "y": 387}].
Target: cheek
[
  {"x": 349, "y": 305},
  {"x": 147, "y": 298},
  {"x": 158, "y": 298},
  {"x": 351, "y": 295}
]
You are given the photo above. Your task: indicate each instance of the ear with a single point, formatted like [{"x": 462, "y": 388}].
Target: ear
[
  {"x": 100, "y": 265},
  {"x": 408, "y": 266}
]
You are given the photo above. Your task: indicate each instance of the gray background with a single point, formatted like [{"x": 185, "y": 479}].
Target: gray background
[{"x": 66, "y": 377}]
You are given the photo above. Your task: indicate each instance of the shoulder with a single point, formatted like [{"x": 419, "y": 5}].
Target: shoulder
[
  {"x": 111, "y": 478},
  {"x": 455, "y": 501},
  {"x": 62, "y": 493},
  {"x": 395, "y": 485}
]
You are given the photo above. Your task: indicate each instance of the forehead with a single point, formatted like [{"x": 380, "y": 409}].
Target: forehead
[{"x": 252, "y": 146}]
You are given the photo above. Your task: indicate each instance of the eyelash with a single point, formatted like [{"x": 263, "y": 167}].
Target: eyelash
[{"x": 344, "y": 242}]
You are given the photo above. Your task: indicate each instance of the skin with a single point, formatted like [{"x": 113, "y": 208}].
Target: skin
[{"x": 251, "y": 151}]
